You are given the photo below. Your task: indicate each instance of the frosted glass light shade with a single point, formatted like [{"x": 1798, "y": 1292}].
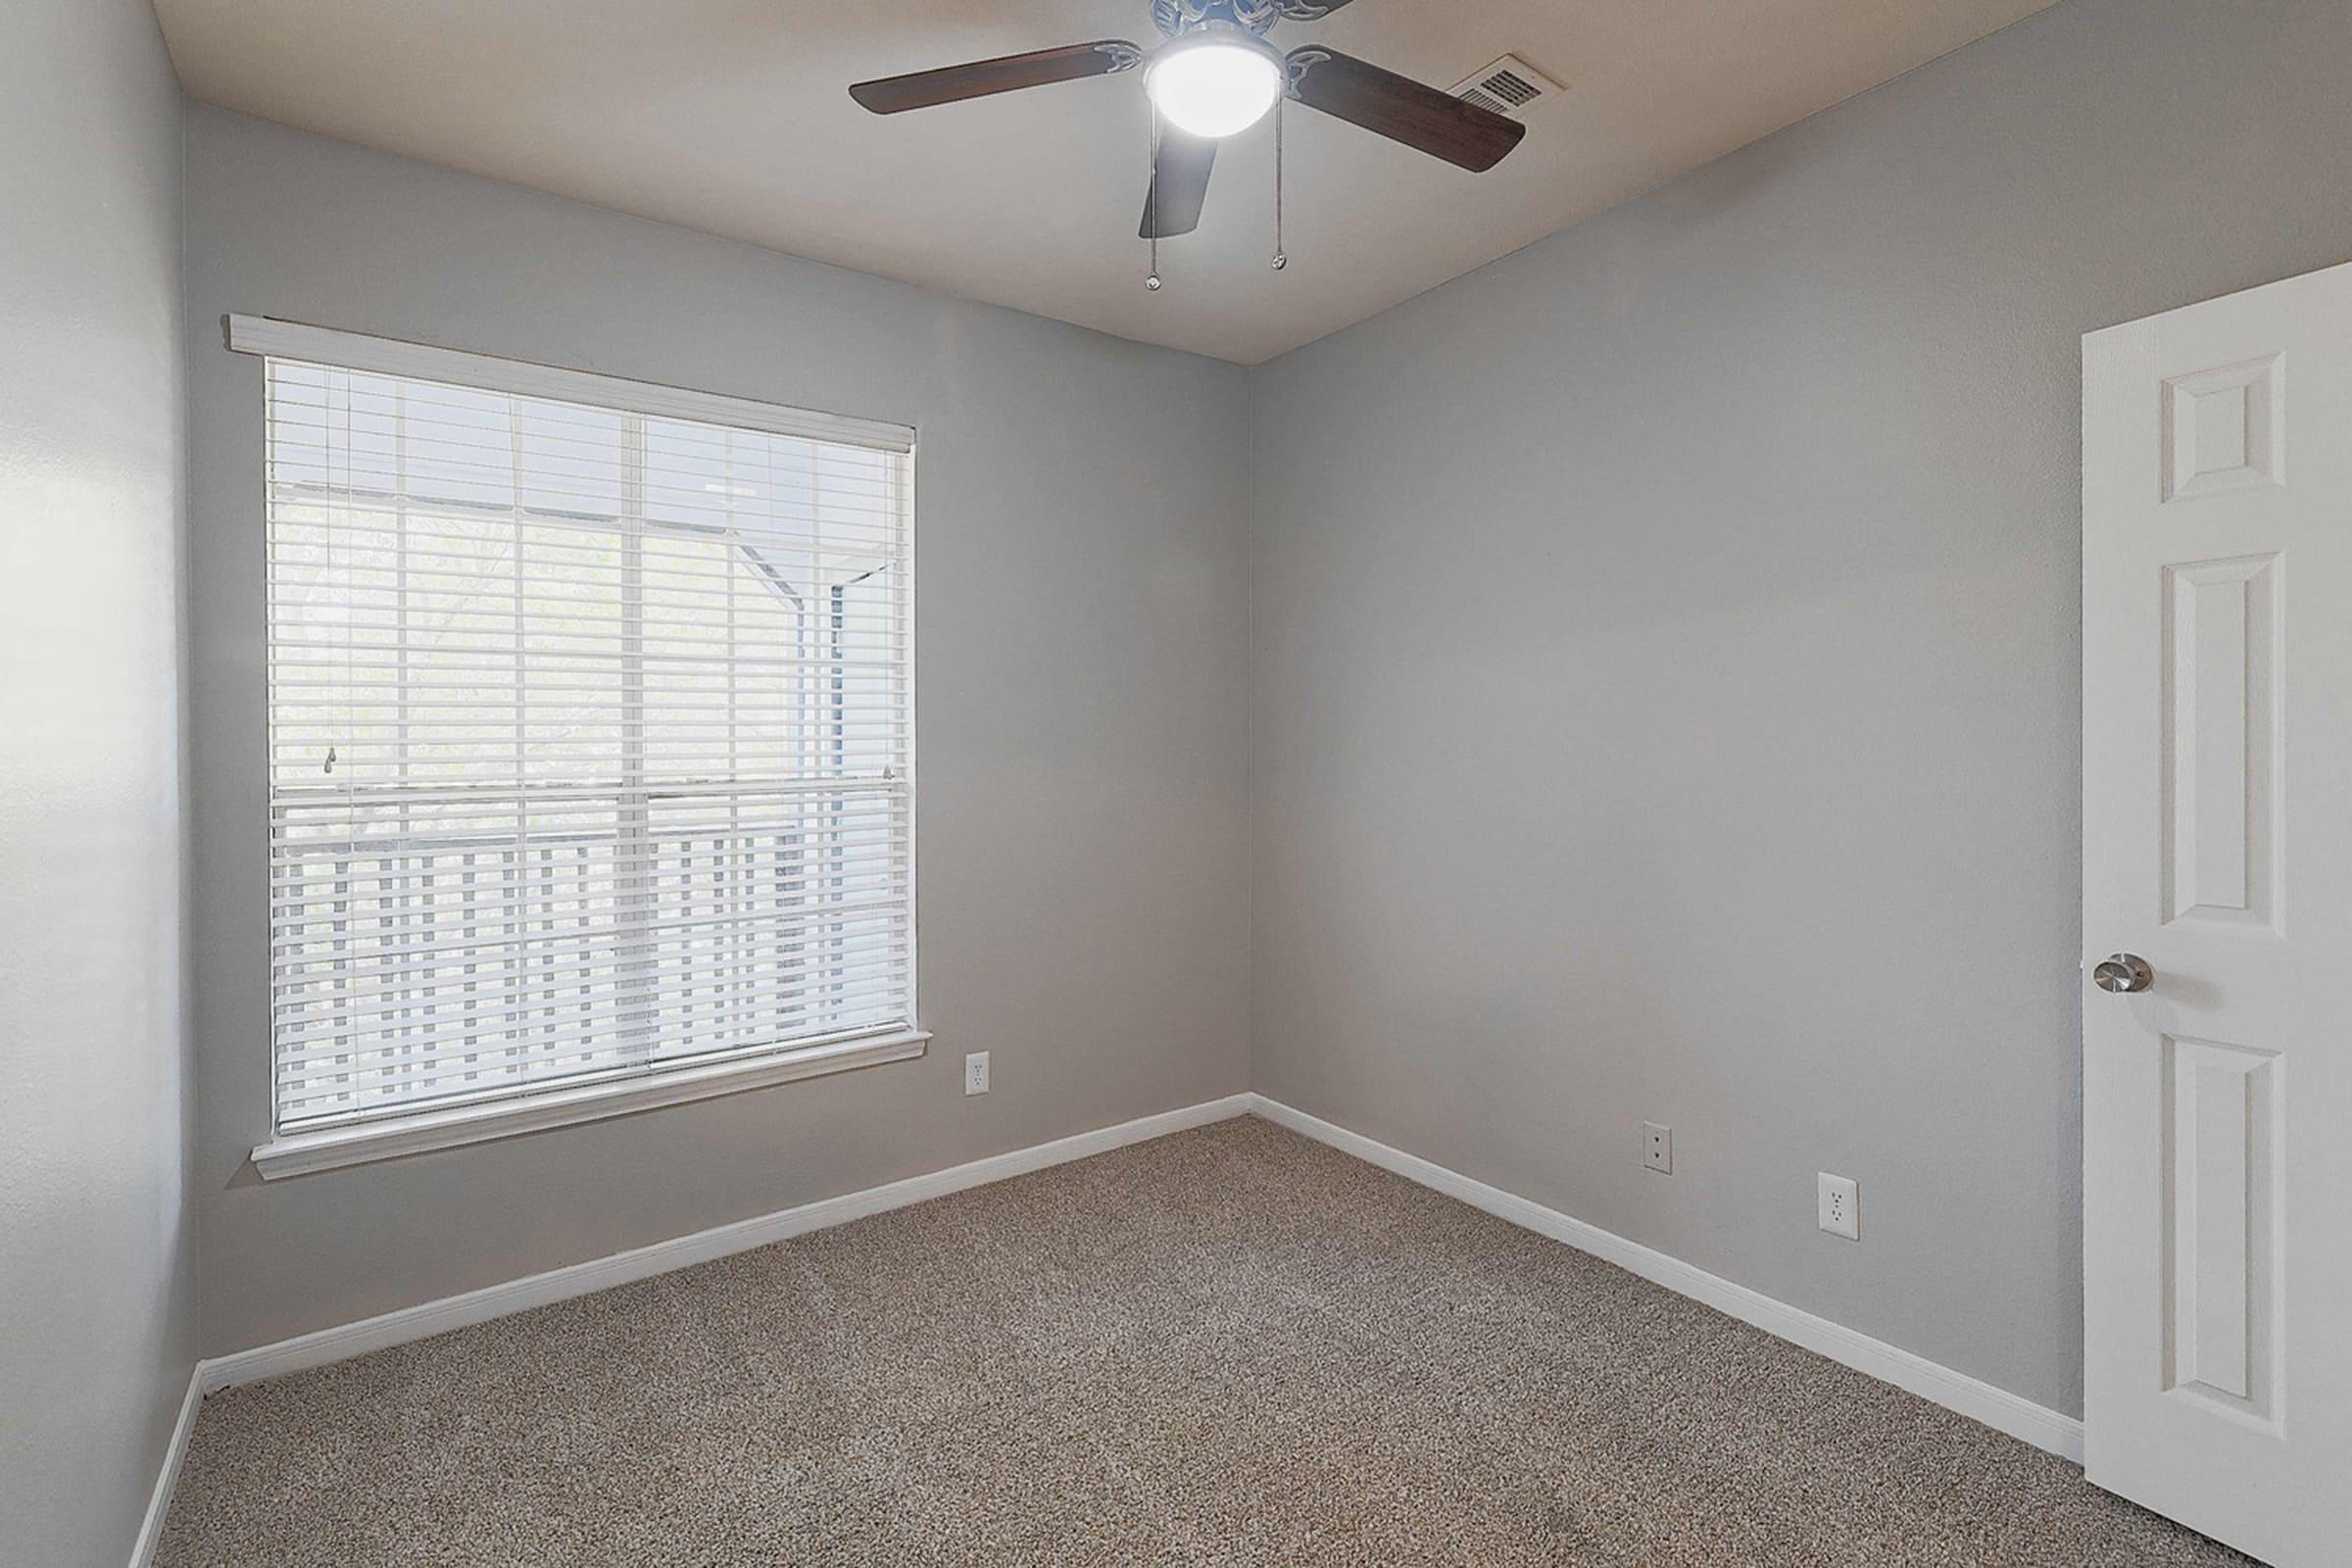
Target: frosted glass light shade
[{"x": 1215, "y": 86}]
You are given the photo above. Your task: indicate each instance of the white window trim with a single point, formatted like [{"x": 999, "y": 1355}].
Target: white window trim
[
  {"x": 361, "y": 1142},
  {"x": 384, "y": 356},
  {"x": 394, "y": 1137}
]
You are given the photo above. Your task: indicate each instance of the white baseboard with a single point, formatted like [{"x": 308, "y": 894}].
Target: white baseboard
[
  {"x": 159, "y": 1502},
  {"x": 621, "y": 1268},
  {"x": 1978, "y": 1400}
]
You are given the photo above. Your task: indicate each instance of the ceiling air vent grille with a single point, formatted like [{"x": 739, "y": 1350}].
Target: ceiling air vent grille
[{"x": 1508, "y": 87}]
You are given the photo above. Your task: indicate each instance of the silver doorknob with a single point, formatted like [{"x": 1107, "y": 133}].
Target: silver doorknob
[{"x": 2124, "y": 972}]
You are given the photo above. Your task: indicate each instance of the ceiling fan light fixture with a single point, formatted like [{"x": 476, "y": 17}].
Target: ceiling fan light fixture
[{"x": 1215, "y": 81}]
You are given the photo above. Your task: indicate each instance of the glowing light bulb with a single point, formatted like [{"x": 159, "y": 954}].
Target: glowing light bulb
[{"x": 1214, "y": 83}]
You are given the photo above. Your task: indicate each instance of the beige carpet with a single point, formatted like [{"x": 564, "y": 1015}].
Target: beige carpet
[{"x": 1233, "y": 1346}]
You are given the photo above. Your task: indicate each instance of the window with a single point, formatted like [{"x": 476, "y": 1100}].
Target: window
[{"x": 589, "y": 733}]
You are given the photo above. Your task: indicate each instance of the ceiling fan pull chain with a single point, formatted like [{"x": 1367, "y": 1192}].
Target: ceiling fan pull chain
[
  {"x": 1281, "y": 259},
  {"x": 1152, "y": 278}
]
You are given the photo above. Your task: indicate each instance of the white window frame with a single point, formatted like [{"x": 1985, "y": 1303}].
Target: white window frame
[{"x": 387, "y": 1137}]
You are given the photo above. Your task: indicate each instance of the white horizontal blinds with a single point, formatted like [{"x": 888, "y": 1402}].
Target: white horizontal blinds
[{"x": 588, "y": 742}]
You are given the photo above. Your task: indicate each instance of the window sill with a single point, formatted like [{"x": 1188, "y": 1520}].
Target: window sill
[{"x": 299, "y": 1154}]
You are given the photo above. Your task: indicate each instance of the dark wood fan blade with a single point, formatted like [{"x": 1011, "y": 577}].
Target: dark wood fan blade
[
  {"x": 1401, "y": 109},
  {"x": 1185, "y": 163},
  {"x": 891, "y": 95}
]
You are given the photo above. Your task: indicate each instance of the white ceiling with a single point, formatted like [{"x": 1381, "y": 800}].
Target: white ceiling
[{"x": 731, "y": 116}]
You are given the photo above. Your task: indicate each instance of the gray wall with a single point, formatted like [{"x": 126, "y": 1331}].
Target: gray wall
[
  {"x": 1080, "y": 548},
  {"x": 96, "y": 1286},
  {"x": 1666, "y": 667}
]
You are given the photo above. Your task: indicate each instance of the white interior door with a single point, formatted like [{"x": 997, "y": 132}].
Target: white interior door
[{"x": 2217, "y": 844}]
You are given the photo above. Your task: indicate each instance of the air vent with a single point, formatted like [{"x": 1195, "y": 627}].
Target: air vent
[{"x": 1508, "y": 87}]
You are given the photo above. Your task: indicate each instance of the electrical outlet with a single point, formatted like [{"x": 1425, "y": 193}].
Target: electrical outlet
[
  {"x": 1840, "y": 1202},
  {"x": 1658, "y": 1147},
  {"x": 975, "y": 1074}
]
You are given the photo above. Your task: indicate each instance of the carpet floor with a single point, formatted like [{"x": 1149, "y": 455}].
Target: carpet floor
[{"x": 1232, "y": 1346}]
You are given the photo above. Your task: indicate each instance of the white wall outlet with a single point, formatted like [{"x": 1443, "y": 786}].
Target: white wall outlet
[
  {"x": 975, "y": 1074},
  {"x": 1840, "y": 1200},
  {"x": 1658, "y": 1147}
]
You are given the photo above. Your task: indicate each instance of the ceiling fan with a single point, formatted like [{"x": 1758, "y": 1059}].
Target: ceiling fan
[{"x": 1215, "y": 75}]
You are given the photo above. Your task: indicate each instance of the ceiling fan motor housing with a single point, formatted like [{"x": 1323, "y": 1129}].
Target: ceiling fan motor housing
[{"x": 1175, "y": 18}]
